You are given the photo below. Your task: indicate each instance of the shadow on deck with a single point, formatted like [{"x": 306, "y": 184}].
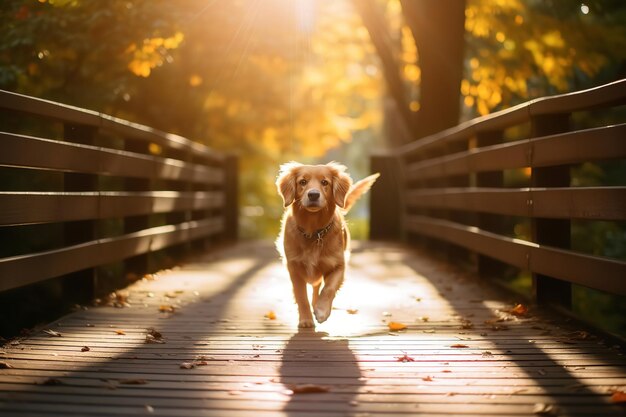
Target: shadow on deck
[{"x": 463, "y": 353}]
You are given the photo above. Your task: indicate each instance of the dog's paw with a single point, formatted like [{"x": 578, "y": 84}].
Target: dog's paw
[
  {"x": 322, "y": 310},
  {"x": 306, "y": 323}
]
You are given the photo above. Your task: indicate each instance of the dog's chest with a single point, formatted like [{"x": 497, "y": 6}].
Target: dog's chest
[{"x": 316, "y": 259}]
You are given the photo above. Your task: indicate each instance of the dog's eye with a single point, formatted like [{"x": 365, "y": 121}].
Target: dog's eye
[
  {"x": 302, "y": 182},
  {"x": 324, "y": 183}
]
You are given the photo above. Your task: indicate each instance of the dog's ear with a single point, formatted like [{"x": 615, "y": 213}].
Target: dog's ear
[
  {"x": 341, "y": 183},
  {"x": 286, "y": 182}
]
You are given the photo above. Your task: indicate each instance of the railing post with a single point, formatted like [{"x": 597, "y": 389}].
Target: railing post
[
  {"x": 136, "y": 266},
  {"x": 231, "y": 200},
  {"x": 386, "y": 208},
  {"x": 486, "y": 266},
  {"x": 82, "y": 284},
  {"x": 551, "y": 232}
]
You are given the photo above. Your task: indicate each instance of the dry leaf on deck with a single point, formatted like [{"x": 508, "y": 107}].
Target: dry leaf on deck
[
  {"x": 395, "y": 326},
  {"x": 405, "y": 358},
  {"x": 270, "y": 315},
  {"x": 427, "y": 378},
  {"x": 52, "y": 333},
  {"x": 167, "y": 308},
  {"x": 459, "y": 346},
  {"x": 308, "y": 388},
  {"x": 5, "y": 365},
  {"x": 352, "y": 310},
  {"x": 544, "y": 409},
  {"x": 187, "y": 365},
  {"x": 120, "y": 332},
  {"x": 154, "y": 337},
  {"x": 519, "y": 310},
  {"x": 85, "y": 349},
  {"x": 618, "y": 397}
]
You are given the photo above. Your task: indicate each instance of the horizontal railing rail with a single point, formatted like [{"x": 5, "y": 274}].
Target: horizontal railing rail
[
  {"x": 501, "y": 189},
  {"x": 91, "y": 190}
]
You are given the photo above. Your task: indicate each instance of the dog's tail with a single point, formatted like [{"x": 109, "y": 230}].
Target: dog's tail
[{"x": 358, "y": 189}]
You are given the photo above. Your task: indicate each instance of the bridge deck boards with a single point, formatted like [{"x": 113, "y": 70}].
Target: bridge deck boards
[{"x": 463, "y": 352}]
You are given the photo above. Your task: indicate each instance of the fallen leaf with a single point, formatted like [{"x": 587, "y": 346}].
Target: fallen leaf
[
  {"x": 427, "y": 379},
  {"x": 618, "y": 397},
  {"x": 187, "y": 365},
  {"x": 270, "y": 315},
  {"x": 5, "y": 365},
  {"x": 52, "y": 333},
  {"x": 459, "y": 346},
  {"x": 519, "y": 310},
  {"x": 352, "y": 310},
  {"x": 405, "y": 358},
  {"x": 153, "y": 336},
  {"x": 308, "y": 388},
  {"x": 167, "y": 308},
  {"x": 52, "y": 381},
  {"x": 394, "y": 326},
  {"x": 424, "y": 319},
  {"x": 132, "y": 381},
  {"x": 544, "y": 409},
  {"x": 85, "y": 349},
  {"x": 120, "y": 332},
  {"x": 487, "y": 354}
]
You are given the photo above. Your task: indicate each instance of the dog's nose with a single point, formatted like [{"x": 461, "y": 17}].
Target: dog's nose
[{"x": 313, "y": 195}]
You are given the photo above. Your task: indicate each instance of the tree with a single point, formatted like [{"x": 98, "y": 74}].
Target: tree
[{"x": 514, "y": 50}]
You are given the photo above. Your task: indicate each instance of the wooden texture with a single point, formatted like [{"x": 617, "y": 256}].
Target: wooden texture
[{"x": 463, "y": 353}]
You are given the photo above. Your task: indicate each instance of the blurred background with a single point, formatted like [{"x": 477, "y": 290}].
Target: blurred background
[{"x": 315, "y": 81}]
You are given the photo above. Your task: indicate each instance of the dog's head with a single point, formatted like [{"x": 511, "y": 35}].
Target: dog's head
[{"x": 313, "y": 187}]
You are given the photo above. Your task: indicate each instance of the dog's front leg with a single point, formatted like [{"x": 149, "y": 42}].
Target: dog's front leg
[
  {"x": 302, "y": 299},
  {"x": 324, "y": 304}
]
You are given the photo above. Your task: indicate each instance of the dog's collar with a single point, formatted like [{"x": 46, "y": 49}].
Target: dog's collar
[{"x": 318, "y": 234}]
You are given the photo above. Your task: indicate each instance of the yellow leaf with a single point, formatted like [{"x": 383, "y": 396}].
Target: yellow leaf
[
  {"x": 519, "y": 310},
  {"x": 394, "y": 326},
  {"x": 270, "y": 315}
]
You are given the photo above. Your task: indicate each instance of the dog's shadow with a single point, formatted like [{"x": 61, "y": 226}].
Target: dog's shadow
[{"x": 311, "y": 362}]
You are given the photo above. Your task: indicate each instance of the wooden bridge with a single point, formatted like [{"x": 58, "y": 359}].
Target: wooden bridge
[{"x": 418, "y": 329}]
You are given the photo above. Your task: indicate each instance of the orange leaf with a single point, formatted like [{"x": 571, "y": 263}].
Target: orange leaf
[
  {"x": 427, "y": 378},
  {"x": 308, "y": 388},
  {"x": 270, "y": 315},
  {"x": 120, "y": 332},
  {"x": 459, "y": 346},
  {"x": 166, "y": 308},
  {"x": 352, "y": 311},
  {"x": 519, "y": 310},
  {"x": 394, "y": 326},
  {"x": 618, "y": 397},
  {"x": 405, "y": 358}
]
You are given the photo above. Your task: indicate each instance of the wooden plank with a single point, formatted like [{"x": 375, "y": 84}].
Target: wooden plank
[
  {"x": 246, "y": 364},
  {"x": 565, "y": 148},
  {"x": 604, "y": 274},
  {"x": 590, "y": 203},
  {"x": 42, "y": 207},
  {"x": 608, "y": 95},
  {"x": 32, "y": 152},
  {"x": 76, "y": 115},
  {"x": 26, "y": 269}
]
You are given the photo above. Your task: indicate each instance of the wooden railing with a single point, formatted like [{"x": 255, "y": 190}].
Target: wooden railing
[
  {"x": 107, "y": 190},
  {"x": 454, "y": 187}
]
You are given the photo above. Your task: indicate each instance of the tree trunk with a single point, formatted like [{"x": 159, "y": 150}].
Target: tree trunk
[{"x": 439, "y": 29}]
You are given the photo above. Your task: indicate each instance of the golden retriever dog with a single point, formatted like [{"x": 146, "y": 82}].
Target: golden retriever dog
[{"x": 314, "y": 241}]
